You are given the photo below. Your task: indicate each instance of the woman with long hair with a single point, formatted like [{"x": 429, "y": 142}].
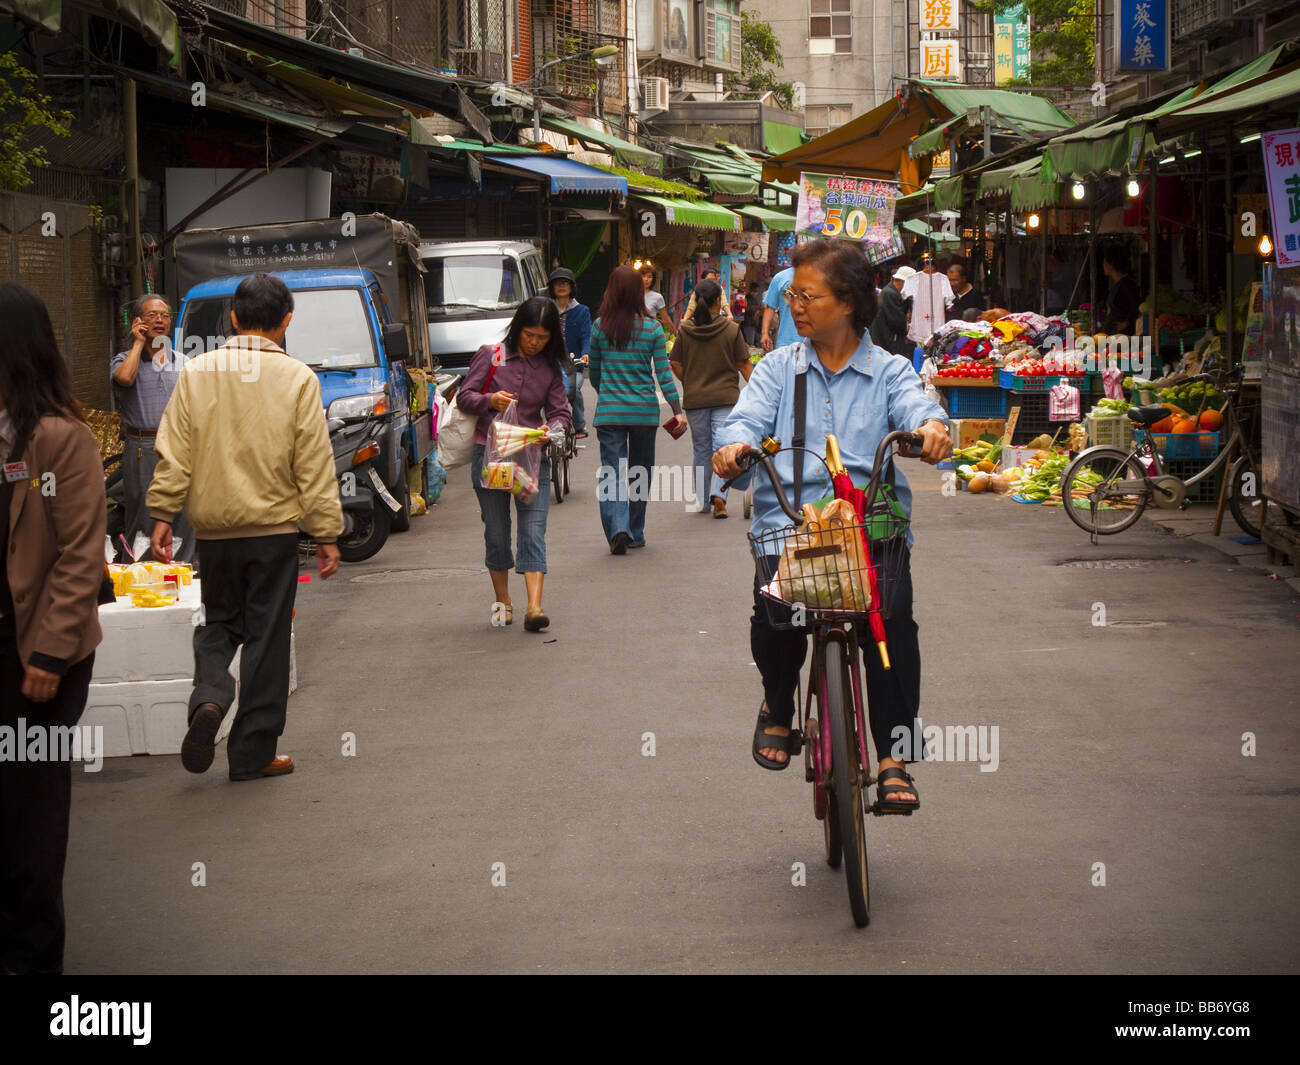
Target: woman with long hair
[
  {"x": 52, "y": 519},
  {"x": 627, "y": 356},
  {"x": 708, "y": 355},
  {"x": 524, "y": 368}
]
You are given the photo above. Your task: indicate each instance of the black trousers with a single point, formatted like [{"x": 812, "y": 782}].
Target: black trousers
[
  {"x": 893, "y": 695},
  {"x": 35, "y": 803},
  {"x": 248, "y": 589}
]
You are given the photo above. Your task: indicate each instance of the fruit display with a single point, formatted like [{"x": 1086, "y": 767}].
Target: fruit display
[
  {"x": 127, "y": 579},
  {"x": 967, "y": 371}
]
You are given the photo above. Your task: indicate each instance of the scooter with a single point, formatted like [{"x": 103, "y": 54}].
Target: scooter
[{"x": 369, "y": 508}]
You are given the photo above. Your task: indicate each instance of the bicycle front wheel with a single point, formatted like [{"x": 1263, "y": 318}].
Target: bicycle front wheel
[
  {"x": 1244, "y": 495},
  {"x": 1104, "y": 491},
  {"x": 846, "y": 783}
]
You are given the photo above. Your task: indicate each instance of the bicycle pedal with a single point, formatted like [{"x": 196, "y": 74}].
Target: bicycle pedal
[{"x": 877, "y": 811}]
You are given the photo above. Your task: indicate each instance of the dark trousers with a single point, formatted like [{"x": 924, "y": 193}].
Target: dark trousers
[
  {"x": 35, "y": 802},
  {"x": 893, "y": 695},
  {"x": 248, "y": 588},
  {"x": 139, "y": 461}
]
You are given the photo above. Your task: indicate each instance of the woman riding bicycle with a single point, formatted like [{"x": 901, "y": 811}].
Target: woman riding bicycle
[{"x": 858, "y": 392}]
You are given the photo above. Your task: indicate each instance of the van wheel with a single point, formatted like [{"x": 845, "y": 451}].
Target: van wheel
[
  {"x": 402, "y": 519},
  {"x": 369, "y": 533}
]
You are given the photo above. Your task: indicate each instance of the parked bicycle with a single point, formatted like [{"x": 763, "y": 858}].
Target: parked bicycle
[
  {"x": 1106, "y": 489},
  {"x": 560, "y": 455},
  {"x": 834, "y": 741}
]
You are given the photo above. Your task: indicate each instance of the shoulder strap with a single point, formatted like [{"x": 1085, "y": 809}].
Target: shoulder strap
[
  {"x": 800, "y": 420},
  {"x": 497, "y": 360}
]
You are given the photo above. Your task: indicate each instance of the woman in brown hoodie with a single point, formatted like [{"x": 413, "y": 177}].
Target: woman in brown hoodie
[{"x": 707, "y": 356}]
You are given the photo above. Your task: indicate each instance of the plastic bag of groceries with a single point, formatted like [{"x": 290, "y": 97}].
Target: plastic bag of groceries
[
  {"x": 512, "y": 461},
  {"x": 823, "y": 564}
]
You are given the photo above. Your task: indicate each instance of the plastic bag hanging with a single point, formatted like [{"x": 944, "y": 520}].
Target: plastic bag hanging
[{"x": 512, "y": 461}]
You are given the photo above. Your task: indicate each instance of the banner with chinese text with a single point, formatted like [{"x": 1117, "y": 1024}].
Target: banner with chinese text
[
  {"x": 845, "y": 208},
  {"x": 939, "y": 59},
  {"x": 1010, "y": 44},
  {"x": 888, "y": 245},
  {"x": 1142, "y": 29},
  {"x": 1282, "y": 168},
  {"x": 939, "y": 15}
]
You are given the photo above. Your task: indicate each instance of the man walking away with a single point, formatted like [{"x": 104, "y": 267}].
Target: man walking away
[
  {"x": 776, "y": 312},
  {"x": 889, "y": 327},
  {"x": 244, "y": 442},
  {"x": 143, "y": 379}
]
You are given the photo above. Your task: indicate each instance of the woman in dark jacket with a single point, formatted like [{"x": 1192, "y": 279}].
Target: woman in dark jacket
[
  {"x": 576, "y": 321},
  {"x": 708, "y": 356},
  {"x": 52, "y": 518}
]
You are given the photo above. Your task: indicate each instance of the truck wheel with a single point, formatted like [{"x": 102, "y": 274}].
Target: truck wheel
[
  {"x": 402, "y": 519},
  {"x": 369, "y": 533}
]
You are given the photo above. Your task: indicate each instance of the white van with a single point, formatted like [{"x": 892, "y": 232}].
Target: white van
[{"x": 472, "y": 289}]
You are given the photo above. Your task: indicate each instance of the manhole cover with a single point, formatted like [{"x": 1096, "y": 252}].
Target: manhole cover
[
  {"x": 1121, "y": 563},
  {"x": 408, "y": 576},
  {"x": 1136, "y": 623}
]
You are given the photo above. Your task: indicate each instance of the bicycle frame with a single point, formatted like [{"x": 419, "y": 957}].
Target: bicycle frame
[{"x": 846, "y": 634}]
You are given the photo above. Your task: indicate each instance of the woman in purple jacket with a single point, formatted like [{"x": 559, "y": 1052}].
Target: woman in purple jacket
[{"x": 525, "y": 368}]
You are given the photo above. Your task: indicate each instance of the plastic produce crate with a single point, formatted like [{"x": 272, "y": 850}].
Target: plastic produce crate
[
  {"x": 974, "y": 402},
  {"x": 1205, "y": 491},
  {"x": 1175, "y": 446},
  {"x": 1015, "y": 383},
  {"x": 1111, "y": 431}
]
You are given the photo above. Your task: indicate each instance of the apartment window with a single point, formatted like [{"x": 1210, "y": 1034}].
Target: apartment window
[
  {"x": 822, "y": 118},
  {"x": 830, "y": 27}
]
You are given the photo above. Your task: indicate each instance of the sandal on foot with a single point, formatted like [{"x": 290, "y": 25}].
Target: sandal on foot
[
  {"x": 884, "y": 792},
  {"x": 763, "y": 739}
]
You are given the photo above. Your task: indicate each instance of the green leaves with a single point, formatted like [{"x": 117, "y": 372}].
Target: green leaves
[
  {"x": 758, "y": 45},
  {"x": 22, "y": 110}
]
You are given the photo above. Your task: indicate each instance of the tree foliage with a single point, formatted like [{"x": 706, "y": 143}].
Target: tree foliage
[
  {"x": 1062, "y": 40},
  {"x": 758, "y": 47},
  {"x": 22, "y": 110}
]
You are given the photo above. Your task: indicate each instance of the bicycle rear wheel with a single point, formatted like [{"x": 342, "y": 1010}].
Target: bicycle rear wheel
[
  {"x": 846, "y": 784},
  {"x": 557, "y": 486},
  {"x": 1088, "y": 495},
  {"x": 1244, "y": 495}
]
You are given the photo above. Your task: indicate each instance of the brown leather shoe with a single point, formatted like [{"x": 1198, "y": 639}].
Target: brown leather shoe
[
  {"x": 280, "y": 765},
  {"x": 719, "y": 507}
]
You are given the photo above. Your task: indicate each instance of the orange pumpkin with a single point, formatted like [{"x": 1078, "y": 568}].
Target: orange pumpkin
[
  {"x": 1211, "y": 420},
  {"x": 1184, "y": 425},
  {"x": 1164, "y": 425}
]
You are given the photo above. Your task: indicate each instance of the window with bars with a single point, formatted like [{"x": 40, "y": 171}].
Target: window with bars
[
  {"x": 722, "y": 34},
  {"x": 830, "y": 22},
  {"x": 822, "y": 118}
]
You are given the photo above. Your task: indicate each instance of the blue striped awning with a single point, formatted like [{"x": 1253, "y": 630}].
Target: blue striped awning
[{"x": 565, "y": 175}]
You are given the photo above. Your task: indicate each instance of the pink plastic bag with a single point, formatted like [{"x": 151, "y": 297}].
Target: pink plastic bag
[
  {"x": 1063, "y": 404},
  {"x": 1110, "y": 381}
]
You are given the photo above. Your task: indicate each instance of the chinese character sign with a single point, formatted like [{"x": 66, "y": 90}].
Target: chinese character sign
[
  {"x": 1282, "y": 167},
  {"x": 1142, "y": 27},
  {"x": 847, "y": 208},
  {"x": 1010, "y": 44},
  {"x": 939, "y": 59},
  {"x": 938, "y": 15}
]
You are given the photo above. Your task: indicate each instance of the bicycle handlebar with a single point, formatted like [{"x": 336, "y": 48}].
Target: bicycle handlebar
[{"x": 752, "y": 455}]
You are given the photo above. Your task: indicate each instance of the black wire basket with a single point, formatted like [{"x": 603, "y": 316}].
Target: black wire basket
[{"x": 808, "y": 577}]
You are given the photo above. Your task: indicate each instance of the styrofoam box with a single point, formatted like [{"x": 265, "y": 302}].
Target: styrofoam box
[{"x": 144, "y": 644}]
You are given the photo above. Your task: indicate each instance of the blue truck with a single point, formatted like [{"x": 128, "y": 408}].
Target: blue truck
[{"x": 359, "y": 321}]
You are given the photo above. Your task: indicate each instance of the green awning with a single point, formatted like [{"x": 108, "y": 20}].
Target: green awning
[
  {"x": 151, "y": 19},
  {"x": 947, "y": 194},
  {"x": 1029, "y": 185},
  {"x": 778, "y": 137},
  {"x": 732, "y": 185},
  {"x": 915, "y": 225},
  {"x": 1030, "y": 113},
  {"x": 1275, "y": 90},
  {"x": 638, "y": 182},
  {"x": 920, "y": 196},
  {"x": 703, "y": 215},
  {"x": 627, "y": 153},
  {"x": 773, "y": 221},
  {"x": 1105, "y": 148},
  {"x": 936, "y": 140}
]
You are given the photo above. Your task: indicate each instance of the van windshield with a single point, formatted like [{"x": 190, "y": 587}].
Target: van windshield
[
  {"x": 329, "y": 329},
  {"x": 464, "y": 284}
]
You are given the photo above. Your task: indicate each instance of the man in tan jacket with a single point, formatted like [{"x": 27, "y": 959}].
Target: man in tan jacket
[{"x": 244, "y": 447}]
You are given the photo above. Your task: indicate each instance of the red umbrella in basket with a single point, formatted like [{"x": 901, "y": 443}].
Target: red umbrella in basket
[{"x": 845, "y": 489}]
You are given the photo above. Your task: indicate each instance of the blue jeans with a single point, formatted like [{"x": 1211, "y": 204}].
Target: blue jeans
[
  {"x": 706, "y": 436},
  {"x": 575, "y": 401},
  {"x": 494, "y": 505},
  {"x": 624, "y": 448}
]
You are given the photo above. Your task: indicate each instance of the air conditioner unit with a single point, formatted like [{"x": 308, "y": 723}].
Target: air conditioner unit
[{"x": 655, "y": 91}]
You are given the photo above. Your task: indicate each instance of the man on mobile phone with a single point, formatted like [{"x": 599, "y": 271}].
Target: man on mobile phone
[{"x": 144, "y": 377}]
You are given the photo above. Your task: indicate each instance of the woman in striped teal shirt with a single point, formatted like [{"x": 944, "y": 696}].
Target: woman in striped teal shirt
[{"x": 627, "y": 355}]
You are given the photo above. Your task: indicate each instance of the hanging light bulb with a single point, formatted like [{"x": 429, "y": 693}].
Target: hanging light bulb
[
  {"x": 1133, "y": 188},
  {"x": 1265, "y": 246},
  {"x": 1032, "y": 221},
  {"x": 1077, "y": 190}
]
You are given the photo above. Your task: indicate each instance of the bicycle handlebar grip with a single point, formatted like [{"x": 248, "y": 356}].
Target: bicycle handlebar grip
[
  {"x": 909, "y": 446},
  {"x": 746, "y": 458}
]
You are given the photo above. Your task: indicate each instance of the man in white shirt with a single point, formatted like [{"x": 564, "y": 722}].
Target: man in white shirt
[{"x": 931, "y": 296}]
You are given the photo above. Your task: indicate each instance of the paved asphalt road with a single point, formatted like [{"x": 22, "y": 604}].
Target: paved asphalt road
[{"x": 1119, "y": 745}]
